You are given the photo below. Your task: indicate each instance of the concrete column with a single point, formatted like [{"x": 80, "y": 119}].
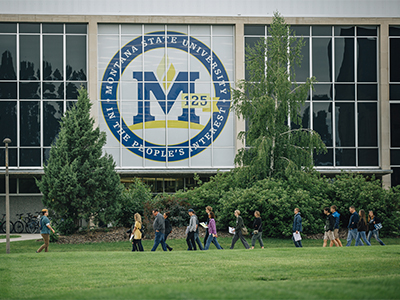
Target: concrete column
[{"x": 92, "y": 67}]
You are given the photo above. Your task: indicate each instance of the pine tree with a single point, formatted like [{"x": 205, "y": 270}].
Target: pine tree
[
  {"x": 79, "y": 181},
  {"x": 270, "y": 101}
]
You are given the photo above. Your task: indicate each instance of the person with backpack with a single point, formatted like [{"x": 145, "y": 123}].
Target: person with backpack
[
  {"x": 373, "y": 226},
  {"x": 361, "y": 229},
  {"x": 137, "y": 234},
  {"x": 238, "y": 231},
  {"x": 168, "y": 228},
  {"x": 45, "y": 228},
  {"x": 257, "y": 233},
  {"x": 329, "y": 227}
]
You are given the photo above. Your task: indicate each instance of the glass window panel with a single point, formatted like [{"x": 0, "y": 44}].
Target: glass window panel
[
  {"x": 368, "y": 157},
  {"x": 29, "y": 157},
  {"x": 367, "y": 60},
  {"x": 322, "y": 92},
  {"x": 394, "y": 60},
  {"x": 345, "y": 124},
  {"x": 52, "y": 113},
  {"x": 321, "y": 30},
  {"x": 344, "y": 30},
  {"x": 367, "y": 92},
  {"x": 12, "y": 156},
  {"x": 28, "y": 186},
  {"x": 367, "y": 30},
  {"x": 53, "y": 57},
  {"x": 345, "y": 92},
  {"x": 300, "y": 30},
  {"x": 395, "y": 156},
  {"x": 72, "y": 89},
  {"x": 8, "y": 90},
  {"x": 176, "y": 28},
  {"x": 322, "y": 121},
  {"x": 29, "y": 27},
  {"x": 76, "y": 28},
  {"x": 70, "y": 104},
  {"x": 324, "y": 159},
  {"x": 199, "y": 30},
  {"x": 12, "y": 185},
  {"x": 8, "y": 60},
  {"x": 170, "y": 185},
  {"x": 344, "y": 59},
  {"x": 111, "y": 28},
  {"x": 46, "y": 155},
  {"x": 29, "y": 123},
  {"x": 222, "y": 30},
  {"x": 304, "y": 116},
  {"x": 367, "y": 124},
  {"x": 254, "y": 30},
  {"x": 395, "y": 177},
  {"x": 394, "y": 30},
  {"x": 322, "y": 59},
  {"x": 8, "y": 27},
  {"x": 29, "y": 57},
  {"x": 8, "y": 121},
  {"x": 52, "y": 28},
  {"x": 345, "y": 157},
  {"x": 394, "y": 92},
  {"x": 131, "y": 28},
  {"x": 303, "y": 72},
  {"x": 53, "y": 90},
  {"x": 76, "y": 57},
  {"x": 250, "y": 42},
  {"x": 395, "y": 125},
  {"x": 29, "y": 90}
]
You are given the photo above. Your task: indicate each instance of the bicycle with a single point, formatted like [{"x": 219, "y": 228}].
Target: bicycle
[
  {"x": 19, "y": 226},
  {"x": 3, "y": 225},
  {"x": 33, "y": 223}
]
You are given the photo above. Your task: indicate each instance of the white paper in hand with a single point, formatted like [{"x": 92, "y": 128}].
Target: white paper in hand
[
  {"x": 231, "y": 230},
  {"x": 296, "y": 236}
]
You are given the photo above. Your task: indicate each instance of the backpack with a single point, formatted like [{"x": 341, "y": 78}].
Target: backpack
[{"x": 142, "y": 230}]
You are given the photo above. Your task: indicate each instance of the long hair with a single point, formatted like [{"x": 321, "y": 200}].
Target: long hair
[
  {"x": 138, "y": 218},
  {"x": 369, "y": 217},
  {"x": 362, "y": 216}
]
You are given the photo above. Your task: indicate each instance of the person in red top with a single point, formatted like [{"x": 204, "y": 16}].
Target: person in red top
[{"x": 212, "y": 231}]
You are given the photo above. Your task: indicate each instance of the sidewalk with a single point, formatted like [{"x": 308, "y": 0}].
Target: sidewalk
[{"x": 24, "y": 237}]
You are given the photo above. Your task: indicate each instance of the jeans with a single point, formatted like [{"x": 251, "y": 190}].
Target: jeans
[
  {"x": 137, "y": 245},
  {"x": 197, "y": 239},
  {"x": 239, "y": 235},
  {"x": 376, "y": 236},
  {"x": 298, "y": 243},
  {"x": 352, "y": 234},
  {"x": 212, "y": 239},
  {"x": 257, "y": 236},
  {"x": 190, "y": 240},
  {"x": 165, "y": 239},
  {"x": 361, "y": 234},
  {"x": 159, "y": 239}
]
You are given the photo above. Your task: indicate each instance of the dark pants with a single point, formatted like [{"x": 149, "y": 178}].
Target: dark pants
[
  {"x": 239, "y": 235},
  {"x": 157, "y": 240},
  {"x": 298, "y": 243},
  {"x": 137, "y": 245},
  {"x": 190, "y": 240},
  {"x": 165, "y": 238}
]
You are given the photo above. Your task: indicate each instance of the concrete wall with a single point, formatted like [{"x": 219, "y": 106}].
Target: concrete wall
[{"x": 21, "y": 204}]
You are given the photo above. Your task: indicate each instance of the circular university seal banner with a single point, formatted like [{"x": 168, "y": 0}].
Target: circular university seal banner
[{"x": 167, "y": 89}]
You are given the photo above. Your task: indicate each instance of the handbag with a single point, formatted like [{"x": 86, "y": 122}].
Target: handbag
[
  {"x": 378, "y": 226},
  {"x": 244, "y": 231},
  {"x": 255, "y": 231}
]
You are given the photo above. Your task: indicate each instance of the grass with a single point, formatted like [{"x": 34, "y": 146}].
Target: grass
[
  {"x": 3, "y": 236},
  {"x": 281, "y": 271}
]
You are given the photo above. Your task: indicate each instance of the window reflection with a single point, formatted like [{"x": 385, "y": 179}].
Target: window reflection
[
  {"x": 367, "y": 62},
  {"x": 322, "y": 59},
  {"x": 29, "y": 123},
  {"x": 322, "y": 115},
  {"x": 344, "y": 59},
  {"x": 8, "y": 63},
  {"x": 345, "y": 157},
  {"x": 8, "y": 121},
  {"x": 367, "y": 124},
  {"x": 53, "y": 90},
  {"x": 345, "y": 124},
  {"x": 52, "y": 57},
  {"x": 52, "y": 113},
  {"x": 29, "y": 57}
]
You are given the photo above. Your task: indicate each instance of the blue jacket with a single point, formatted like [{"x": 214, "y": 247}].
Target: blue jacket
[
  {"x": 353, "y": 220},
  {"x": 336, "y": 215},
  {"x": 297, "y": 223}
]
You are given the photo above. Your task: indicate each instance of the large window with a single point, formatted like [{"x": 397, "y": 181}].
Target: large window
[
  {"x": 394, "y": 96},
  {"x": 42, "y": 66},
  {"x": 343, "y": 107}
]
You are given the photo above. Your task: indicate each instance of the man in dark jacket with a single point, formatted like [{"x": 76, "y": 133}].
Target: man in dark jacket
[
  {"x": 159, "y": 228},
  {"x": 297, "y": 227},
  {"x": 329, "y": 227},
  {"x": 352, "y": 227}
]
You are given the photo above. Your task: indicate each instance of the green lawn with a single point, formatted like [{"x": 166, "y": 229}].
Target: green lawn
[
  {"x": 12, "y": 236},
  {"x": 281, "y": 271}
]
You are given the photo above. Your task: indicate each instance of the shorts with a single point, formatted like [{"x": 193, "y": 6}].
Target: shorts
[
  {"x": 329, "y": 235},
  {"x": 336, "y": 233}
]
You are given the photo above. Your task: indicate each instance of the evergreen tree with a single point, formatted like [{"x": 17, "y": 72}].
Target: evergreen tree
[
  {"x": 79, "y": 182},
  {"x": 270, "y": 101}
]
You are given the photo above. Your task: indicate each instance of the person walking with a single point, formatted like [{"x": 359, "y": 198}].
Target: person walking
[
  {"x": 373, "y": 231},
  {"x": 257, "y": 233},
  {"x": 208, "y": 210},
  {"x": 190, "y": 239},
  {"x": 45, "y": 228},
  {"x": 212, "y": 229},
  {"x": 336, "y": 215},
  {"x": 297, "y": 227},
  {"x": 329, "y": 227},
  {"x": 238, "y": 231},
  {"x": 137, "y": 234},
  {"x": 352, "y": 227},
  {"x": 168, "y": 229},
  {"x": 159, "y": 228},
  {"x": 196, "y": 234},
  {"x": 361, "y": 229}
]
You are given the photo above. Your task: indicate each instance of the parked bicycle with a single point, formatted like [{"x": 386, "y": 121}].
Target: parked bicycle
[
  {"x": 28, "y": 223},
  {"x": 3, "y": 225},
  {"x": 33, "y": 224}
]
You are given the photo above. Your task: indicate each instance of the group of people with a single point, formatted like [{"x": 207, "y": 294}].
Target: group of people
[{"x": 357, "y": 227}]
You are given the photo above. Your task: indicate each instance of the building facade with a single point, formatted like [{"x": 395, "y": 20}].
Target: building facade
[{"x": 159, "y": 75}]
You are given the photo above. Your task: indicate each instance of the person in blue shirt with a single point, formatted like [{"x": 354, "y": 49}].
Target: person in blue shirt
[
  {"x": 336, "y": 215},
  {"x": 297, "y": 226},
  {"x": 352, "y": 227},
  {"x": 45, "y": 231}
]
